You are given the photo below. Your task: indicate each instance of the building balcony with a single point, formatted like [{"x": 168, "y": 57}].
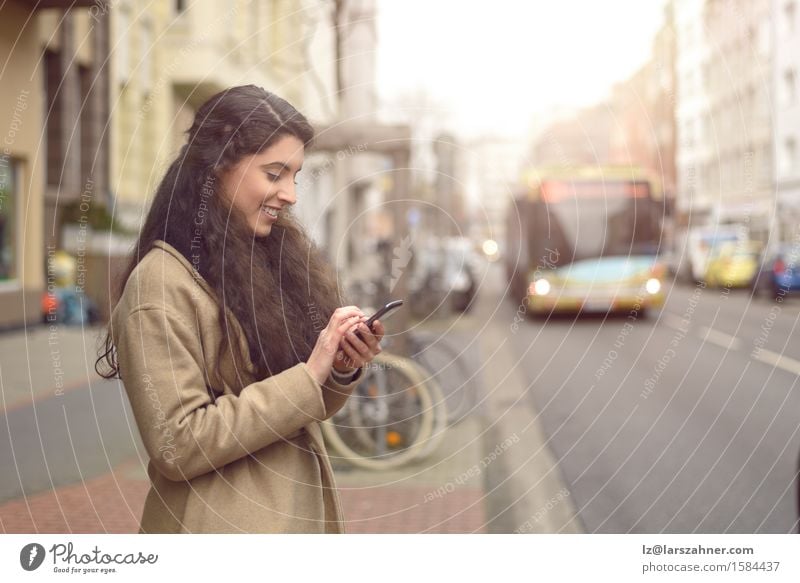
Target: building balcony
[{"x": 209, "y": 50}]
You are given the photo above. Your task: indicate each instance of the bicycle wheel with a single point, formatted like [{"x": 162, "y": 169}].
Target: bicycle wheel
[
  {"x": 440, "y": 423},
  {"x": 387, "y": 420},
  {"x": 447, "y": 368}
]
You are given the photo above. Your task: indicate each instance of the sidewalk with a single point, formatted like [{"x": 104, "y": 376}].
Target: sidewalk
[
  {"x": 443, "y": 493},
  {"x": 111, "y": 503},
  {"x": 492, "y": 473},
  {"x": 39, "y": 369},
  {"x": 43, "y": 361}
]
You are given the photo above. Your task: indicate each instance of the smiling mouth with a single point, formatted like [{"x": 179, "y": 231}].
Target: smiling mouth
[{"x": 270, "y": 211}]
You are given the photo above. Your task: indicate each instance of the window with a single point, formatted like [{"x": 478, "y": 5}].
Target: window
[
  {"x": 146, "y": 56},
  {"x": 765, "y": 165},
  {"x": 706, "y": 79},
  {"x": 55, "y": 147},
  {"x": 789, "y": 162},
  {"x": 689, "y": 38},
  {"x": 688, "y": 134},
  {"x": 9, "y": 186},
  {"x": 708, "y": 131},
  {"x": 764, "y": 38},
  {"x": 789, "y": 87},
  {"x": 123, "y": 45},
  {"x": 790, "y": 16},
  {"x": 254, "y": 33},
  {"x": 749, "y": 109},
  {"x": 688, "y": 83},
  {"x": 83, "y": 130}
]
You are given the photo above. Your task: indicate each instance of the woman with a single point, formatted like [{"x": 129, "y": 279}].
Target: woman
[{"x": 228, "y": 336}]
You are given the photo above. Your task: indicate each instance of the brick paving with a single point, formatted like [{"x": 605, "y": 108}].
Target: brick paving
[
  {"x": 112, "y": 504},
  {"x": 405, "y": 500},
  {"x": 403, "y": 510}
]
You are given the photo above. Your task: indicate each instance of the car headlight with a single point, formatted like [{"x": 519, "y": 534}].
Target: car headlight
[
  {"x": 653, "y": 286},
  {"x": 540, "y": 287}
]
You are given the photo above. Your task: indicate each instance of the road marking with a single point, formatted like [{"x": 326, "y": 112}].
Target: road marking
[
  {"x": 787, "y": 363},
  {"x": 673, "y": 321},
  {"x": 720, "y": 338}
]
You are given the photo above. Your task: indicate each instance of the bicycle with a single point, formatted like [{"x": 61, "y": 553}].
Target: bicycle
[
  {"x": 394, "y": 416},
  {"x": 399, "y": 413},
  {"x": 448, "y": 370}
]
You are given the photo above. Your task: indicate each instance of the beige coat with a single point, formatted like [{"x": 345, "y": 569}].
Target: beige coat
[{"x": 228, "y": 452}]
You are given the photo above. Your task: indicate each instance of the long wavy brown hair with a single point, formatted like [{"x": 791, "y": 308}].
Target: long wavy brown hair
[{"x": 279, "y": 287}]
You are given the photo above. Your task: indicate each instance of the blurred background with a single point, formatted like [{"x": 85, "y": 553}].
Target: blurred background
[{"x": 592, "y": 210}]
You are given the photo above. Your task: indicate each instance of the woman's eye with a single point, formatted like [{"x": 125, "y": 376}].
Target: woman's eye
[{"x": 273, "y": 177}]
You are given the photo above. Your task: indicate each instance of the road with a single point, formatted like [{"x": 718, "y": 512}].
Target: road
[
  {"x": 66, "y": 439},
  {"x": 684, "y": 421}
]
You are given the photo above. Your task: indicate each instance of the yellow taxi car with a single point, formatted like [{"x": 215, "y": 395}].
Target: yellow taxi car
[{"x": 732, "y": 264}]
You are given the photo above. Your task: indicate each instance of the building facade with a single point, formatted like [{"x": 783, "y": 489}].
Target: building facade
[
  {"x": 723, "y": 114},
  {"x": 54, "y": 157},
  {"x": 786, "y": 29},
  {"x": 169, "y": 57},
  {"x": 694, "y": 149}
]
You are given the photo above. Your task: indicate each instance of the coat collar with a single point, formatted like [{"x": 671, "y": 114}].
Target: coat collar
[
  {"x": 200, "y": 280},
  {"x": 163, "y": 245},
  {"x": 239, "y": 333}
]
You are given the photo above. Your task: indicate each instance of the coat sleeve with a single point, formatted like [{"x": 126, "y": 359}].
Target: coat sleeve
[
  {"x": 336, "y": 391},
  {"x": 185, "y": 433}
]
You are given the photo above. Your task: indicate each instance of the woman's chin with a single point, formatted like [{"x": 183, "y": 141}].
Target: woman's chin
[{"x": 262, "y": 230}]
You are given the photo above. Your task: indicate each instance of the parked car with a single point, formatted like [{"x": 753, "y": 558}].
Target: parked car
[
  {"x": 779, "y": 273},
  {"x": 460, "y": 272},
  {"x": 700, "y": 245},
  {"x": 444, "y": 276},
  {"x": 732, "y": 264}
]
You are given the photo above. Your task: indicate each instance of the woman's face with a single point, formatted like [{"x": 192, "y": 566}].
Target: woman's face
[{"x": 261, "y": 185}]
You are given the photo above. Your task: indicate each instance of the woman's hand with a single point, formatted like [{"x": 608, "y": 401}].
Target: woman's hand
[
  {"x": 355, "y": 352},
  {"x": 321, "y": 359}
]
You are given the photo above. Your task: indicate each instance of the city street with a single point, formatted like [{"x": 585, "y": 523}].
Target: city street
[
  {"x": 204, "y": 195},
  {"x": 669, "y": 423}
]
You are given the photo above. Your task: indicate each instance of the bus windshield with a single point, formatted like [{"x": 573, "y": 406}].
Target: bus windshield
[{"x": 592, "y": 219}]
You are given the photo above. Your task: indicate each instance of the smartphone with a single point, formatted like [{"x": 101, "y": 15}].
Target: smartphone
[{"x": 387, "y": 309}]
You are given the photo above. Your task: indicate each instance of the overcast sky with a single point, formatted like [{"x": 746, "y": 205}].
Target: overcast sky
[{"x": 495, "y": 64}]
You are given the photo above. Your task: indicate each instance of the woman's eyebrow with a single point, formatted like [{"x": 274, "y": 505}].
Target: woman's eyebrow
[{"x": 282, "y": 165}]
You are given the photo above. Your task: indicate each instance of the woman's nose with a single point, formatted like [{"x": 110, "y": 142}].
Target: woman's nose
[{"x": 288, "y": 195}]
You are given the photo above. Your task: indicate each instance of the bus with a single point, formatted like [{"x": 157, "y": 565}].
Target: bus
[{"x": 586, "y": 239}]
